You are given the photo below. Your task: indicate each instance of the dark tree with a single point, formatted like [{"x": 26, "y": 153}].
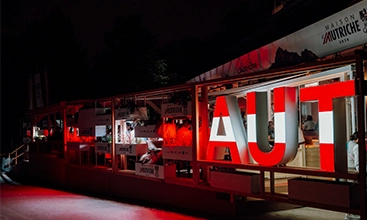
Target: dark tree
[
  {"x": 50, "y": 45},
  {"x": 46, "y": 45},
  {"x": 130, "y": 61},
  {"x": 185, "y": 59},
  {"x": 9, "y": 15},
  {"x": 13, "y": 104}
]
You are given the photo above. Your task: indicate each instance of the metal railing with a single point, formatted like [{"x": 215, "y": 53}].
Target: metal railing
[{"x": 17, "y": 155}]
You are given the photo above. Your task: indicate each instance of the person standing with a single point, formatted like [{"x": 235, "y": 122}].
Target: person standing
[
  {"x": 184, "y": 134},
  {"x": 309, "y": 125},
  {"x": 353, "y": 154},
  {"x": 271, "y": 134},
  {"x": 353, "y": 163},
  {"x": 6, "y": 163}
]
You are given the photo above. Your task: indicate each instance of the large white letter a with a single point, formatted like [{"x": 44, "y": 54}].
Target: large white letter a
[{"x": 228, "y": 132}]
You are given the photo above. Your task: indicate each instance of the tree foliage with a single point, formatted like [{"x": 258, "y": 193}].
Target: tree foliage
[
  {"x": 9, "y": 15},
  {"x": 184, "y": 58},
  {"x": 50, "y": 45},
  {"x": 130, "y": 61}
]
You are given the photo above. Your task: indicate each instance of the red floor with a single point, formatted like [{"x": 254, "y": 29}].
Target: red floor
[
  {"x": 20, "y": 202},
  {"x": 32, "y": 202}
]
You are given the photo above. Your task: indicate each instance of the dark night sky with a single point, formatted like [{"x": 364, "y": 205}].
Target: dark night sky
[{"x": 170, "y": 20}]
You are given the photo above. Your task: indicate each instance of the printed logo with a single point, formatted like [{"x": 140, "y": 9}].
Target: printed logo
[
  {"x": 247, "y": 67},
  {"x": 176, "y": 109},
  {"x": 363, "y": 17},
  {"x": 156, "y": 169},
  {"x": 342, "y": 29}
]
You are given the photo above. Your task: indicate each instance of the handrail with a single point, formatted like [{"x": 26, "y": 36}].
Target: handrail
[
  {"x": 15, "y": 158},
  {"x": 17, "y": 149}
]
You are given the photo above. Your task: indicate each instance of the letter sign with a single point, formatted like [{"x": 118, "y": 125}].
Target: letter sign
[
  {"x": 285, "y": 127},
  {"x": 324, "y": 95},
  {"x": 228, "y": 131}
]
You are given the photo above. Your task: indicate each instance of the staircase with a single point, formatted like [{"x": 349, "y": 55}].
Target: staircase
[
  {"x": 13, "y": 165},
  {"x": 15, "y": 157}
]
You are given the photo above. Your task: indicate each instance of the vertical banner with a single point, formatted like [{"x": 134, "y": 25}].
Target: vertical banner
[
  {"x": 45, "y": 78},
  {"x": 38, "y": 90},
  {"x": 30, "y": 94}
]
